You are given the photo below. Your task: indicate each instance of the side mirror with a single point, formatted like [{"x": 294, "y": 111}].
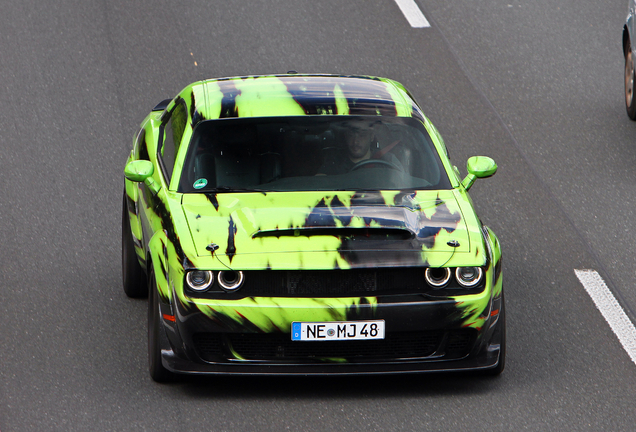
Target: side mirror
[
  {"x": 138, "y": 170},
  {"x": 141, "y": 171},
  {"x": 478, "y": 167}
]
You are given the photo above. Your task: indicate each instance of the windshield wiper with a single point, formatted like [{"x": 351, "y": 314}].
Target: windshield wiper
[{"x": 234, "y": 189}]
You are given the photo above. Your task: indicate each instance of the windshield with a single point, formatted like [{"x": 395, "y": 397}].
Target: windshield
[{"x": 308, "y": 153}]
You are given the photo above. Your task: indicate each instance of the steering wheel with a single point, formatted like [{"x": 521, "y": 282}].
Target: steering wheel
[{"x": 366, "y": 162}]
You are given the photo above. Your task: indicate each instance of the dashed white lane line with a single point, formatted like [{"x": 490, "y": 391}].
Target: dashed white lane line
[
  {"x": 413, "y": 14},
  {"x": 610, "y": 309}
]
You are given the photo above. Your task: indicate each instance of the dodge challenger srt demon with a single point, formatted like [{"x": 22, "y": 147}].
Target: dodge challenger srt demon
[{"x": 307, "y": 224}]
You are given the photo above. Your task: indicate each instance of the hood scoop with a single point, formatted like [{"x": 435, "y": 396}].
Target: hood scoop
[{"x": 362, "y": 233}]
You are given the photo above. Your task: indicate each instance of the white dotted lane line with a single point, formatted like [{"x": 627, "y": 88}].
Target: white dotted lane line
[
  {"x": 610, "y": 309},
  {"x": 413, "y": 14}
]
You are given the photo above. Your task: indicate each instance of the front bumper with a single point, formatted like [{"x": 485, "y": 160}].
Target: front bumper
[{"x": 422, "y": 335}]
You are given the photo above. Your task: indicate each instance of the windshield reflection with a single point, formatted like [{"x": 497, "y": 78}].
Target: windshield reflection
[{"x": 311, "y": 153}]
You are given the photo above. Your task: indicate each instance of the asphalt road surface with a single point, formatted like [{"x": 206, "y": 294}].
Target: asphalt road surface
[{"x": 537, "y": 85}]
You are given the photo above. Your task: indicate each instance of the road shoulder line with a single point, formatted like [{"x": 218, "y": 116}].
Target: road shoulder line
[
  {"x": 412, "y": 13},
  {"x": 611, "y": 310}
]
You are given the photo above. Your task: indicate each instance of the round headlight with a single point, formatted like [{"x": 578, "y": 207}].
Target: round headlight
[
  {"x": 199, "y": 280},
  {"x": 468, "y": 277},
  {"x": 437, "y": 277},
  {"x": 231, "y": 280}
]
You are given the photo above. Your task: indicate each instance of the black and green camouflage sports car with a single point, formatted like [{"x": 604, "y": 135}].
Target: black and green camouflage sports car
[{"x": 307, "y": 224}]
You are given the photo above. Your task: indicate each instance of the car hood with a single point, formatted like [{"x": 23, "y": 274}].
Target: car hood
[{"x": 331, "y": 229}]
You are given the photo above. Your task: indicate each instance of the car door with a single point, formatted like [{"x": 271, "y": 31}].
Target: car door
[{"x": 169, "y": 140}]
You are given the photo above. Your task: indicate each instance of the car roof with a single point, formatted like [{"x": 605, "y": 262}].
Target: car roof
[{"x": 298, "y": 94}]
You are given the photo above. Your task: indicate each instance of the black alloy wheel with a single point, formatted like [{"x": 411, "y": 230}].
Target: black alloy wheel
[
  {"x": 157, "y": 371},
  {"x": 630, "y": 103},
  {"x": 501, "y": 365}
]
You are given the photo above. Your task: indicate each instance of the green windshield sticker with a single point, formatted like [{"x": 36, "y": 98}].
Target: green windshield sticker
[{"x": 200, "y": 184}]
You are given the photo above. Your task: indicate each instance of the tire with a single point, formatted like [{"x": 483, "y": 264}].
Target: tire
[
  {"x": 133, "y": 276},
  {"x": 630, "y": 80},
  {"x": 157, "y": 371},
  {"x": 497, "y": 370}
]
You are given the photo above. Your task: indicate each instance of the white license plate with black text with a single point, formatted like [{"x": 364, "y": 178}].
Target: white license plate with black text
[{"x": 338, "y": 330}]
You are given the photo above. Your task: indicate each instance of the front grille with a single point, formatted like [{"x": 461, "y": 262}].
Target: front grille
[
  {"x": 334, "y": 283},
  {"x": 396, "y": 346}
]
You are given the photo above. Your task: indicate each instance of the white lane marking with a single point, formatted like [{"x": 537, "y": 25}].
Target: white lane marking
[
  {"x": 413, "y": 14},
  {"x": 613, "y": 313}
]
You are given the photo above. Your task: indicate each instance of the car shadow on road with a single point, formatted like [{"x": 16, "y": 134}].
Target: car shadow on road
[{"x": 309, "y": 387}]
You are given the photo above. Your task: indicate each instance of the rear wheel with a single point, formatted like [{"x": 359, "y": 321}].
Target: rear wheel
[
  {"x": 134, "y": 278},
  {"x": 630, "y": 103},
  {"x": 157, "y": 371}
]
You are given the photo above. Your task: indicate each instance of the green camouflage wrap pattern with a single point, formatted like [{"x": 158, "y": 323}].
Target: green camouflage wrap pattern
[{"x": 182, "y": 225}]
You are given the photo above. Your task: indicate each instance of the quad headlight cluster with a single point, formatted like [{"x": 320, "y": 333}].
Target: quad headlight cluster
[
  {"x": 466, "y": 277},
  {"x": 203, "y": 280}
]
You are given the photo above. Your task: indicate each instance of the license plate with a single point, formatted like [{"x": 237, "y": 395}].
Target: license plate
[{"x": 338, "y": 330}]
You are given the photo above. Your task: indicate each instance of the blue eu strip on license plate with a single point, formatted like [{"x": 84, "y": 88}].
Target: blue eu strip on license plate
[{"x": 338, "y": 330}]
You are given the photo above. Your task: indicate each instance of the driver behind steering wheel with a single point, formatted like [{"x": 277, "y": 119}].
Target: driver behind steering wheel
[{"x": 358, "y": 140}]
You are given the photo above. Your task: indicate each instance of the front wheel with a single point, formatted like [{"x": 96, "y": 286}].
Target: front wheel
[
  {"x": 497, "y": 370},
  {"x": 157, "y": 371},
  {"x": 630, "y": 104}
]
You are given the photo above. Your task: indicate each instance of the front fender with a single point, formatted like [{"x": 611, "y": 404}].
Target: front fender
[
  {"x": 495, "y": 256},
  {"x": 480, "y": 309},
  {"x": 131, "y": 190},
  {"x": 158, "y": 250}
]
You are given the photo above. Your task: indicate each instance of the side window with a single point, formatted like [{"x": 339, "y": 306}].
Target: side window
[{"x": 172, "y": 133}]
